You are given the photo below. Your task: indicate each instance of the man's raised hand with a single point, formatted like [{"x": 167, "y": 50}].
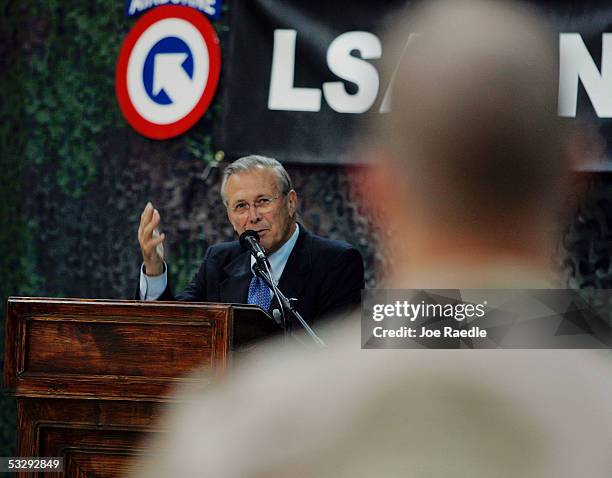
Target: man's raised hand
[{"x": 151, "y": 241}]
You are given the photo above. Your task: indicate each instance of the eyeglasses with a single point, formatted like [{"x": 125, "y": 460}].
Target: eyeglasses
[{"x": 264, "y": 205}]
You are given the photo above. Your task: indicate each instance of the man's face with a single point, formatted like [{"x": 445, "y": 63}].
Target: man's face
[{"x": 273, "y": 222}]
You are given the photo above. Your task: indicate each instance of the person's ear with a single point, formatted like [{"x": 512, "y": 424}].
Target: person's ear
[
  {"x": 292, "y": 200},
  {"x": 379, "y": 189}
]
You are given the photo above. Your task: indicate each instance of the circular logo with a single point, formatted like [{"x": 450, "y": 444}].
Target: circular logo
[{"x": 167, "y": 71}]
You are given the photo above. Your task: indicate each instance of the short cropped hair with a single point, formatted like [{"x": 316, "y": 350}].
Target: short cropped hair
[
  {"x": 253, "y": 161},
  {"x": 473, "y": 123}
]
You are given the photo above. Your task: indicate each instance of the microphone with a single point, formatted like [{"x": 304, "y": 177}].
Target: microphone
[{"x": 249, "y": 239}]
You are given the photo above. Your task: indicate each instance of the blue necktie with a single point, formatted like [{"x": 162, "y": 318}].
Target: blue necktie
[{"x": 259, "y": 293}]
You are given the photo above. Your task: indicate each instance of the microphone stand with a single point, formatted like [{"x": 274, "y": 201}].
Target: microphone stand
[{"x": 287, "y": 305}]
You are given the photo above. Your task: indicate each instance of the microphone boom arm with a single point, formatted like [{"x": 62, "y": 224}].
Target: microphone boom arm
[
  {"x": 249, "y": 239},
  {"x": 287, "y": 305}
]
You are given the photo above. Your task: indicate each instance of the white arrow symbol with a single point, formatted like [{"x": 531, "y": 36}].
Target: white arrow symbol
[{"x": 169, "y": 75}]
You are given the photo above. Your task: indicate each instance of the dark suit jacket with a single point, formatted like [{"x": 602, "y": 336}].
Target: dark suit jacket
[{"x": 326, "y": 276}]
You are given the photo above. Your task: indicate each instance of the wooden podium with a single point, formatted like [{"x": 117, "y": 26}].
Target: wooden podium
[{"x": 90, "y": 376}]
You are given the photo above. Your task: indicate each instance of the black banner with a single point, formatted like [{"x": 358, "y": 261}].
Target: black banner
[{"x": 299, "y": 75}]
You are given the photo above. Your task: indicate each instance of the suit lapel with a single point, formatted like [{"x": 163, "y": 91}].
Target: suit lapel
[
  {"x": 298, "y": 267},
  {"x": 235, "y": 288}
]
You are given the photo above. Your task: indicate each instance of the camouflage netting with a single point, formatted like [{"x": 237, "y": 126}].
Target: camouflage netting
[{"x": 587, "y": 244}]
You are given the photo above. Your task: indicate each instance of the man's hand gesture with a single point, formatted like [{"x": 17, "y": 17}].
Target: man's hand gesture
[{"x": 151, "y": 240}]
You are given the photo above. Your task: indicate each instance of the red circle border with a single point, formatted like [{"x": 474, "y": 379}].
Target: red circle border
[{"x": 138, "y": 122}]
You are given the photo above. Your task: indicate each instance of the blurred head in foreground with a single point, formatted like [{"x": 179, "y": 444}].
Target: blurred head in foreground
[
  {"x": 468, "y": 172},
  {"x": 468, "y": 162}
]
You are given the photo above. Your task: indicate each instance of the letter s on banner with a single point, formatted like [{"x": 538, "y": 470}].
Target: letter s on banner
[{"x": 352, "y": 68}]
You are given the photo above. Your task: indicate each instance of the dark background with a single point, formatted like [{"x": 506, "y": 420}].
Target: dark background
[{"x": 75, "y": 177}]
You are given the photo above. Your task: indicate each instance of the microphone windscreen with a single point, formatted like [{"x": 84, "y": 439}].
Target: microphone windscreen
[{"x": 246, "y": 234}]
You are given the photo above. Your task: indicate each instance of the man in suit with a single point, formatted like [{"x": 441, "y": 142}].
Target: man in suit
[
  {"x": 324, "y": 275},
  {"x": 469, "y": 170}
]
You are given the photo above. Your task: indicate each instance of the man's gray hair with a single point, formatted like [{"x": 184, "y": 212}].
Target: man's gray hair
[{"x": 253, "y": 161}]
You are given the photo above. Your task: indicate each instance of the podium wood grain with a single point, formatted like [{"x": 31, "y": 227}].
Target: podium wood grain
[{"x": 91, "y": 376}]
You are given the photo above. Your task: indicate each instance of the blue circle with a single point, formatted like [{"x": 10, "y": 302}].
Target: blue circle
[{"x": 165, "y": 45}]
